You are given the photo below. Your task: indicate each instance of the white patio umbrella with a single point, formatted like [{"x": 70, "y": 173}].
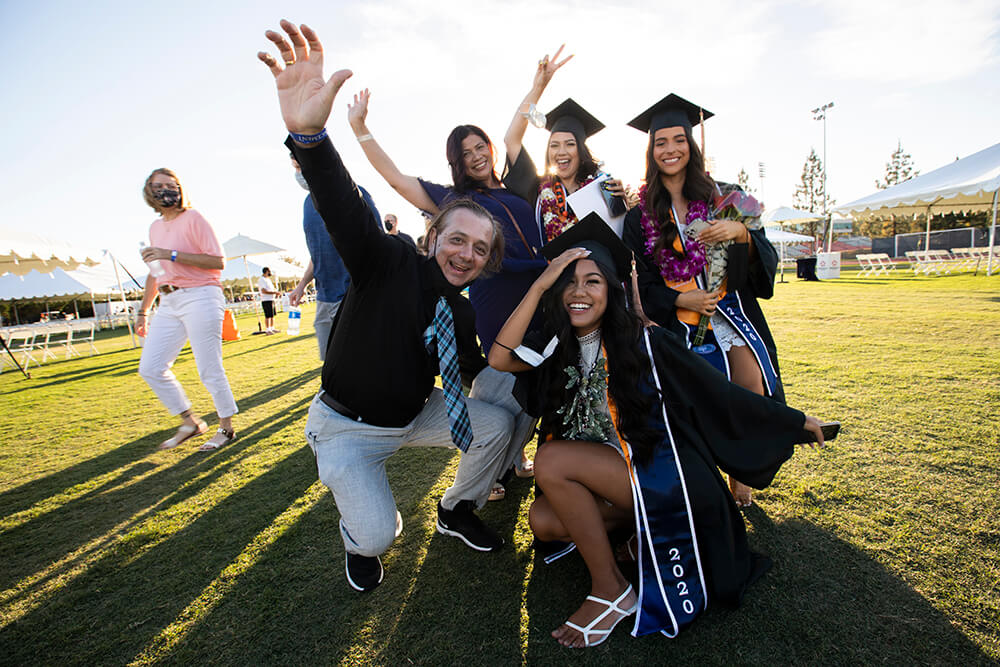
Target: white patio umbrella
[
  {"x": 785, "y": 215},
  {"x": 781, "y": 237},
  {"x": 243, "y": 246}
]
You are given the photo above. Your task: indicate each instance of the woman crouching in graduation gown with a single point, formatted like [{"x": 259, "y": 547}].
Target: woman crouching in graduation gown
[
  {"x": 640, "y": 448},
  {"x": 569, "y": 164},
  {"x": 670, "y": 283}
]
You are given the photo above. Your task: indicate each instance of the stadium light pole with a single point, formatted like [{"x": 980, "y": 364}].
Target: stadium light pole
[
  {"x": 762, "y": 171},
  {"x": 819, "y": 113}
]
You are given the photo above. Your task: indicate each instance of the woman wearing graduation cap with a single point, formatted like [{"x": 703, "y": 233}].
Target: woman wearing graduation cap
[
  {"x": 637, "y": 426},
  {"x": 677, "y": 192},
  {"x": 569, "y": 164}
]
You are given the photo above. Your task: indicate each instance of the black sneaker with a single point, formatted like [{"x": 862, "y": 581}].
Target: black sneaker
[
  {"x": 463, "y": 523},
  {"x": 364, "y": 573}
]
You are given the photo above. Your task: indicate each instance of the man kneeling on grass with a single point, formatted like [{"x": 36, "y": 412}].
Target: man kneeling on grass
[{"x": 402, "y": 321}]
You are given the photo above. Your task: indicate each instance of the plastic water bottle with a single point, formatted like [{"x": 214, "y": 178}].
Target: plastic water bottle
[
  {"x": 155, "y": 266},
  {"x": 294, "y": 320}
]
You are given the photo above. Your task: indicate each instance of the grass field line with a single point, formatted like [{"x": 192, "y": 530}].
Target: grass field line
[{"x": 216, "y": 591}]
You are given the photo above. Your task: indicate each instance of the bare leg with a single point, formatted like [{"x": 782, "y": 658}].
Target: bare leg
[
  {"x": 573, "y": 476},
  {"x": 746, "y": 374}
]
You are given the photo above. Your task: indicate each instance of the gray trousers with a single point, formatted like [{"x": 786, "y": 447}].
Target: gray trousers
[
  {"x": 351, "y": 458},
  {"x": 323, "y": 323}
]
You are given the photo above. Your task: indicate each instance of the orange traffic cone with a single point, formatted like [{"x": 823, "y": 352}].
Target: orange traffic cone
[{"x": 229, "y": 329}]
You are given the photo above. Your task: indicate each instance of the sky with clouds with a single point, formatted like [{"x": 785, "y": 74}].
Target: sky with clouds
[{"x": 97, "y": 95}]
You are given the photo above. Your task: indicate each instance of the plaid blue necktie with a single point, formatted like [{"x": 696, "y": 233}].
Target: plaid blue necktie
[{"x": 442, "y": 330}]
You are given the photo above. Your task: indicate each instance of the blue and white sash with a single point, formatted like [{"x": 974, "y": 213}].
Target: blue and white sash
[
  {"x": 731, "y": 307},
  {"x": 672, "y": 589}
]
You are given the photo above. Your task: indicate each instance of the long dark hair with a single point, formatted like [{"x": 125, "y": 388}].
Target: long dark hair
[
  {"x": 588, "y": 165},
  {"x": 697, "y": 185},
  {"x": 628, "y": 366},
  {"x": 461, "y": 182}
]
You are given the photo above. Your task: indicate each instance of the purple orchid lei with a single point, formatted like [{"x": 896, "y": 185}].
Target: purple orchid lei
[{"x": 673, "y": 268}]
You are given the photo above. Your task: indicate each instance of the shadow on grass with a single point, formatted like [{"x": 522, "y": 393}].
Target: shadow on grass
[
  {"x": 27, "y": 495},
  {"x": 824, "y": 602},
  {"x": 39, "y": 381},
  {"x": 120, "y": 507},
  {"x": 284, "y": 341},
  {"x": 291, "y": 604},
  {"x": 54, "y": 535}
]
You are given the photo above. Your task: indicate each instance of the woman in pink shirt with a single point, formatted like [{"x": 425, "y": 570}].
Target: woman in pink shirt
[{"x": 191, "y": 309}]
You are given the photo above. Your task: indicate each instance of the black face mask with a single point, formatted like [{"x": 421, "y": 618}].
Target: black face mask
[{"x": 167, "y": 198}]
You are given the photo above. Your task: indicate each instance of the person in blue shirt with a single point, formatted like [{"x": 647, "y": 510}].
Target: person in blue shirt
[{"x": 325, "y": 266}]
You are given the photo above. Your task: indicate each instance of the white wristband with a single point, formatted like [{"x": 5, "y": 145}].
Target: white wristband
[{"x": 364, "y": 137}]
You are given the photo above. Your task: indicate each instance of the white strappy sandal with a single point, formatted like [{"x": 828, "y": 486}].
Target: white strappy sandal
[
  {"x": 612, "y": 608},
  {"x": 185, "y": 432}
]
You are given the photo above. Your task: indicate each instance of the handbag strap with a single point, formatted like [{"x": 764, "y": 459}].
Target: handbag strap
[{"x": 513, "y": 221}]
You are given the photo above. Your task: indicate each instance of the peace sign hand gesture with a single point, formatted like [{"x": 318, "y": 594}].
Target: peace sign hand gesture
[
  {"x": 305, "y": 99},
  {"x": 547, "y": 68}
]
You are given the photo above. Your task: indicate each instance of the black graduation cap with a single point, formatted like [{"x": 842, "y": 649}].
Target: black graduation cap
[
  {"x": 571, "y": 117},
  {"x": 671, "y": 111},
  {"x": 596, "y": 236}
]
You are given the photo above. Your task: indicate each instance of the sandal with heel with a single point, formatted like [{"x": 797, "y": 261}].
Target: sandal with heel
[{"x": 610, "y": 608}]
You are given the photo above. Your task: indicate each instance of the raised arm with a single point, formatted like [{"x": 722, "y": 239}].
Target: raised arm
[
  {"x": 515, "y": 133},
  {"x": 305, "y": 100},
  {"x": 407, "y": 186},
  {"x": 512, "y": 334}
]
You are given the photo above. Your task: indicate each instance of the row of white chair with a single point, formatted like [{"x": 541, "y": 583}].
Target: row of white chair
[
  {"x": 46, "y": 340},
  {"x": 875, "y": 264},
  {"x": 944, "y": 261}
]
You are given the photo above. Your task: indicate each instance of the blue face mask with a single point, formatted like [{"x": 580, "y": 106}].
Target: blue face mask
[
  {"x": 301, "y": 180},
  {"x": 167, "y": 198}
]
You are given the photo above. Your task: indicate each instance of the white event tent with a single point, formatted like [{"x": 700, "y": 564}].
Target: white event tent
[
  {"x": 22, "y": 252},
  {"x": 969, "y": 185}
]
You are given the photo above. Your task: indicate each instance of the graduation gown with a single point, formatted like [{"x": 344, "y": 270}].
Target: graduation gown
[
  {"x": 750, "y": 278},
  {"x": 710, "y": 424}
]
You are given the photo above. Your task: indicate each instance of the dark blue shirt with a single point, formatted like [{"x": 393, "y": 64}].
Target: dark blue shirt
[
  {"x": 495, "y": 298},
  {"x": 329, "y": 271}
]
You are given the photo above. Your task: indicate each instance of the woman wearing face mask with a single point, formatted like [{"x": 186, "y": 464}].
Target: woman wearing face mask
[
  {"x": 473, "y": 170},
  {"x": 185, "y": 247},
  {"x": 569, "y": 164},
  {"x": 676, "y": 193},
  {"x": 636, "y": 426}
]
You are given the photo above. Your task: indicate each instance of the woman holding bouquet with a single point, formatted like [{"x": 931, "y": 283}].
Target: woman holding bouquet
[
  {"x": 569, "y": 164},
  {"x": 636, "y": 426},
  {"x": 670, "y": 266}
]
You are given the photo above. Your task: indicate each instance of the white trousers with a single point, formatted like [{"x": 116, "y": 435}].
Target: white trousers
[{"x": 188, "y": 314}]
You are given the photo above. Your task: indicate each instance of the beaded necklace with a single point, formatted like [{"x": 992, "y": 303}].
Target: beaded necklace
[
  {"x": 555, "y": 214},
  {"x": 677, "y": 268}
]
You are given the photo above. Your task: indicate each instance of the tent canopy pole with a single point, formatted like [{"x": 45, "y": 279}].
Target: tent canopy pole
[{"x": 993, "y": 232}]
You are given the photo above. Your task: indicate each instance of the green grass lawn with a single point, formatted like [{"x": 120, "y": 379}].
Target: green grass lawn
[{"x": 886, "y": 544}]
